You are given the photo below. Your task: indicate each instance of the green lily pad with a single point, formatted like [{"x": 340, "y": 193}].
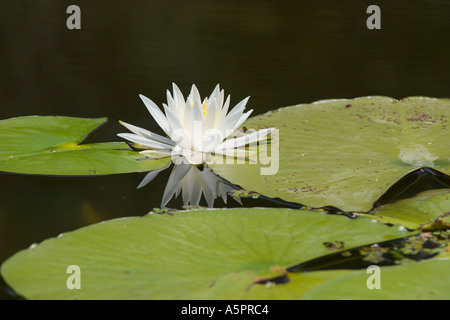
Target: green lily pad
[
  {"x": 345, "y": 153},
  {"x": 425, "y": 280},
  {"x": 416, "y": 212},
  {"x": 202, "y": 254},
  {"x": 52, "y": 146}
]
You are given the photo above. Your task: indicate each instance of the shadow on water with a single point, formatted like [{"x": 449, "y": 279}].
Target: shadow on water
[{"x": 414, "y": 183}]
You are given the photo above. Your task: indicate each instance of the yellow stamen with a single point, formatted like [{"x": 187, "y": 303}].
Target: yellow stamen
[{"x": 205, "y": 106}]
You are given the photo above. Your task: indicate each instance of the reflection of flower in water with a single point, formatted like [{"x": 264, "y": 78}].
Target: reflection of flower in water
[{"x": 192, "y": 182}]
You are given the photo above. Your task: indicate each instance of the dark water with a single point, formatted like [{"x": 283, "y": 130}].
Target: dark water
[{"x": 278, "y": 52}]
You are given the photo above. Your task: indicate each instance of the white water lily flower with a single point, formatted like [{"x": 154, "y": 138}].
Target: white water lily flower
[{"x": 196, "y": 128}]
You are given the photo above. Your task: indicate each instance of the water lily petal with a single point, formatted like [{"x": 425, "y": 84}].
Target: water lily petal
[
  {"x": 219, "y": 99},
  {"x": 215, "y": 92},
  {"x": 245, "y": 139},
  {"x": 173, "y": 120},
  {"x": 210, "y": 115},
  {"x": 229, "y": 123},
  {"x": 198, "y": 110},
  {"x": 146, "y": 134},
  {"x": 144, "y": 141},
  {"x": 195, "y": 95},
  {"x": 223, "y": 112},
  {"x": 170, "y": 100},
  {"x": 239, "y": 108},
  {"x": 156, "y": 154},
  {"x": 242, "y": 119},
  {"x": 178, "y": 97},
  {"x": 228, "y": 126},
  {"x": 156, "y": 114}
]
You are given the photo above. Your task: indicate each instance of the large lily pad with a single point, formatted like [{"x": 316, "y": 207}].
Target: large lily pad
[
  {"x": 51, "y": 145},
  {"x": 346, "y": 153},
  {"x": 201, "y": 254}
]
